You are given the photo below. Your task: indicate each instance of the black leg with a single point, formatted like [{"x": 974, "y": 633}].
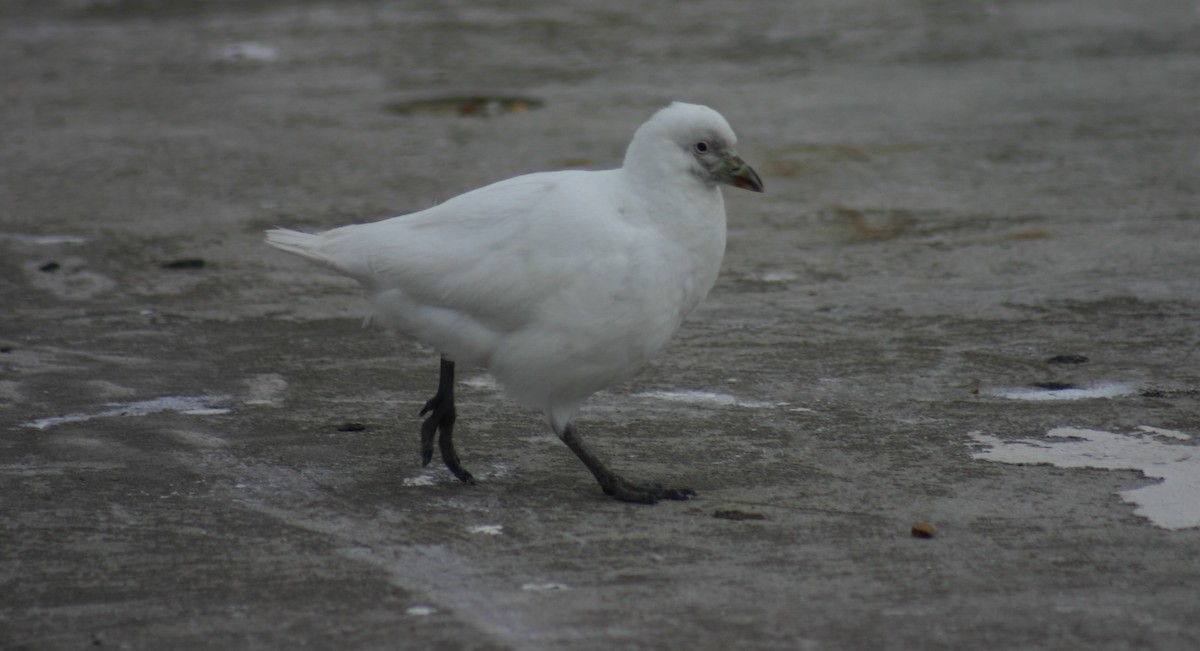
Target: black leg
[
  {"x": 612, "y": 483},
  {"x": 441, "y": 418}
]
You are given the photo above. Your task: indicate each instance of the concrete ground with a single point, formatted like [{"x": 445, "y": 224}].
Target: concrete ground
[{"x": 972, "y": 208}]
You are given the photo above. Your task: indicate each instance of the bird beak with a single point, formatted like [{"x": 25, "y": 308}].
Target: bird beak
[{"x": 737, "y": 173}]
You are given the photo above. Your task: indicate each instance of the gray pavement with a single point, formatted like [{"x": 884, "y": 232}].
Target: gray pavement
[{"x": 215, "y": 453}]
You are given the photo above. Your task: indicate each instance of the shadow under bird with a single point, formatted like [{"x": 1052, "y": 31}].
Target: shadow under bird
[{"x": 558, "y": 283}]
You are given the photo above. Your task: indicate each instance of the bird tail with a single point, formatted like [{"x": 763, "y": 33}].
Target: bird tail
[{"x": 305, "y": 245}]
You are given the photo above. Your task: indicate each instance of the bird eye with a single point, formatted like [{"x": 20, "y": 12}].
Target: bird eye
[{"x": 702, "y": 147}]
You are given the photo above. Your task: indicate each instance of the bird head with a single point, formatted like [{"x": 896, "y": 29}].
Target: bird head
[{"x": 692, "y": 139}]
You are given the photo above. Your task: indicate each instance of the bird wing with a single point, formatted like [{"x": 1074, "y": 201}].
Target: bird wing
[{"x": 481, "y": 264}]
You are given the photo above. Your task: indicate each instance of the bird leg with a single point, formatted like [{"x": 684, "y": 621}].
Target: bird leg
[
  {"x": 612, "y": 483},
  {"x": 441, "y": 419}
]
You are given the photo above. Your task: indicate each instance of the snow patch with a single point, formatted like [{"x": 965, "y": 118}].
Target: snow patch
[
  {"x": 706, "y": 398},
  {"x": 543, "y": 587},
  {"x": 1166, "y": 455},
  {"x": 419, "y": 480},
  {"x": 1106, "y": 390},
  {"x": 189, "y": 405}
]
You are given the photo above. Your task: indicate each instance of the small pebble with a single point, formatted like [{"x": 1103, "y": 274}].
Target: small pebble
[
  {"x": 1067, "y": 359},
  {"x": 923, "y": 530},
  {"x": 184, "y": 263}
]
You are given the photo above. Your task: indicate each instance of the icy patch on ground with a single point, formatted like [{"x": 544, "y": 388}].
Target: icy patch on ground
[
  {"x": 190, "y": 405},
  {"x": 1173, "y": 503},
  {"x": 248, "y": 52},
  {"x": 425, "y": 479},
  {"x": 265, "y": 389},
  {"x": 778, "y": 277},
  {"x": 706, "y": 398},
  {"x": 483, "y": 381},
  {"x": 1107, "y": 390},
  {"x": 43, "y": 240},
  {"x": 543, "y": 587}
]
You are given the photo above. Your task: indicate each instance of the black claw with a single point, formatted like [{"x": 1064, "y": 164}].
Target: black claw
[
  {"x": 634, "y": 497},
  {"x": 440, "y": 423},
  {"x": 645, "y": 493},
  {"x": 428, "y": 430}
]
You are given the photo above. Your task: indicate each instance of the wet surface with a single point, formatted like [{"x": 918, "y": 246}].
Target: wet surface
[{"x": 965, "y": 200}]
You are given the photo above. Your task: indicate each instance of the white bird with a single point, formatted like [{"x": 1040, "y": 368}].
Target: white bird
[{"x": 558, "y": 283}]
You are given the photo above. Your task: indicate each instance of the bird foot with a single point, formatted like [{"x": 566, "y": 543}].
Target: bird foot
[
  {"x": 429, "y": 428},
  {"x": 625, "y": 491},
  {"x": 441, "y": 418}
]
